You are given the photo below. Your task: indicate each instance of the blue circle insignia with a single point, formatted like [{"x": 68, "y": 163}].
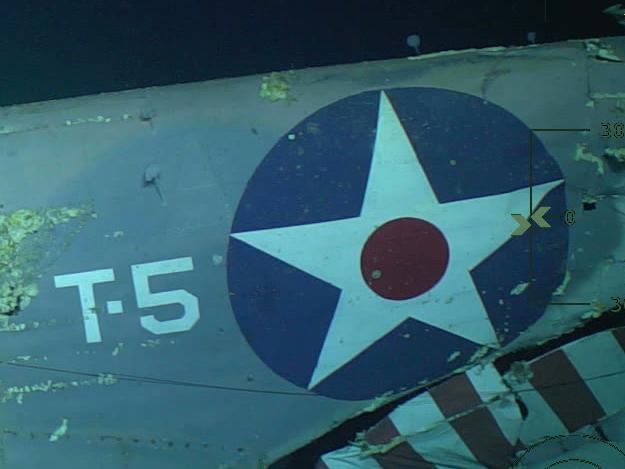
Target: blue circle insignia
[{"x": 371, "y": 250}]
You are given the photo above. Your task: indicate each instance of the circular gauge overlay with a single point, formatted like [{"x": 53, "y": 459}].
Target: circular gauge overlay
[{"x": 372, "y": 249}]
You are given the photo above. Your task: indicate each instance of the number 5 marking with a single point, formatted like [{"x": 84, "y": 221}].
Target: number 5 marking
[{"x": 146, "y": 299}]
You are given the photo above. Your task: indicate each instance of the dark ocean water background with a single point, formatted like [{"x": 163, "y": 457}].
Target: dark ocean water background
[{"x": 69, "y": 48}]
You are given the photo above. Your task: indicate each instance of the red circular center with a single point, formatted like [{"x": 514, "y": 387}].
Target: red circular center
[{"x": 404, "y": 258}]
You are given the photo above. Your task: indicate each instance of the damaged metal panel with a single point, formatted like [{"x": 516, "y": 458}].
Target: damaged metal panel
[
  {"x": 222, "y": 291},
  {"x": 471, "y": 420},
  {"x": 540, "y": 412},
  {"x": 571, "y": 391}
]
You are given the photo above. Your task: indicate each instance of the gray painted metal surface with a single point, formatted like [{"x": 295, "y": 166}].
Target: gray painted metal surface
[{"x": 157, "y": 175}]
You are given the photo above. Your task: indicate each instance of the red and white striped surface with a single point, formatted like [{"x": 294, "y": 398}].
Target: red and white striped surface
[{"x": 472, "y": 420}]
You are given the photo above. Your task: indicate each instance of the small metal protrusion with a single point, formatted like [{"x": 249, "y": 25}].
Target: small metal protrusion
[
  {"x": 414, "y": 42},
  {"x": 146, "y": 115},
  {"x": 152, "y": 173},
  {"x": 151, "y": 177}
]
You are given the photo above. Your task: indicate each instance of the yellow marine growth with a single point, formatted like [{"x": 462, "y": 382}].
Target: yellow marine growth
[
  {"x": 582, "y": 153},
  {"x": 617, "y": 153},
  {"x": 277, "y": 86},
  {"x": 19, "y": 257}
]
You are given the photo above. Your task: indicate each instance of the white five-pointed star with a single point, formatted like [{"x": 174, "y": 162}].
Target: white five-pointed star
[{"x": 398, "y": 187}]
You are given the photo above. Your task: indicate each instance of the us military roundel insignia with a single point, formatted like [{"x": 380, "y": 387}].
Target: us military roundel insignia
[{"x": 372, "y": 247}]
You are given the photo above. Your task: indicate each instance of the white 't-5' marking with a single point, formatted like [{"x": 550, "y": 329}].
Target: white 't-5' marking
[{"x": 145, "y": 298}]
